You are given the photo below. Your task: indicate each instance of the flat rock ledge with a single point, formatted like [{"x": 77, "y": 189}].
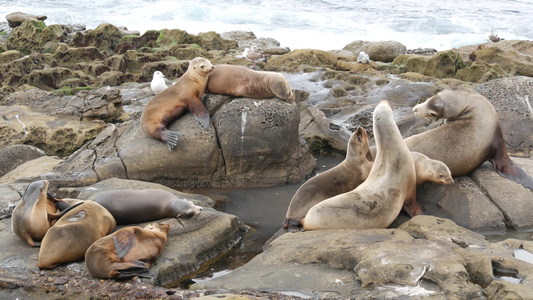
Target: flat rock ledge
[{"x": 425, "y": 258}]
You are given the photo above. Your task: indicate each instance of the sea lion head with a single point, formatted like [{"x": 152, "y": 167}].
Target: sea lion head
[
  {"x": 358, "y": 143},
  {"x": 201, "y": 66},
  {"x": 161, "y": 227}
]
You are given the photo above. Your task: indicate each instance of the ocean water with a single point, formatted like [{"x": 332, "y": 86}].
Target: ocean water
[{"x": 316, "y": 24}]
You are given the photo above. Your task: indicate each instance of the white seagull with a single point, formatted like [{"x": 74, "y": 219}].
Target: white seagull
[
  {"x": 363, "y": 58},
  {"x": 159, "y": 82},
  {"x": 492, "y": 37},
  {"x": 253, "y": 54}
]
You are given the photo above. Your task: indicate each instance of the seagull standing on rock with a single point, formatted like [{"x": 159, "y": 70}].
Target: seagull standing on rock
[
  {"x": 363, "y": 58},
  {"x": 492, "y": 37},
  {"x": 159, "y": 82},
  {"x": 253, "y": 54}
]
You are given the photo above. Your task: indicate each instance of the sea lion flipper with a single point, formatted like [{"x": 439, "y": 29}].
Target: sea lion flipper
[
  {"x": 131, "y": 269},
  {"x": 514, "y": 173},
  {"x": 170, "y": 138},
  {"x": 123, "y": 241},
  {"x": 203, "y": 118},
  {"x": 54, "y": 216}
]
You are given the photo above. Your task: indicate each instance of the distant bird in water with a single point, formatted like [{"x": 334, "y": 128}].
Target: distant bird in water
[
  {"x": 253, "y": 54},
  {"x": 492, "y": 37},
  {"x": 363, "y": 58},
  {"x": 159, "y": 82}
]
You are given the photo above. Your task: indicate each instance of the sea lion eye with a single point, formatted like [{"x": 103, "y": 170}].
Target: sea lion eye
[
  {"x": 202, "y": 66},
  {"x": 359, "y": 139},
  {"x": 433, "y": 114}
]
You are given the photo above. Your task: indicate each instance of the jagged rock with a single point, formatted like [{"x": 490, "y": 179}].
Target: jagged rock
[
  {"x": 174, "y": 37},
  {"x": 10, "y": 55},
  {"x": 295, "y": 58},
  {"x": 511, "y": 98},
  {"x": 182, "y": 52},
  {"x": 69, "y": 57},
  {"x": 17, "y": 18},
  {"x": 171, "y": 69},
  {"x": 48, "y": 78},
  {"x": 444, "y": 64},
  {"x": 26, "y": 38},
  {"x": 11, "y": 73},
  {"x": 105, "y": 37},
  {"x": 212, "y": 41},
  {"x": 146, "y": 40},
  {"x": 31, "y": 169},
  {"x": 13, "y": 156},
  {"x": 480, "y": 72},
  {"x": 385, "y": 51},
  {"x": 110, "y": 78}
]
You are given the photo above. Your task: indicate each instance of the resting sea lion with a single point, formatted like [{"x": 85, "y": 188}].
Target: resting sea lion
[
  {"x": 128, "y": 252},
  {"x": 169, "y": 104},
  {"x": 344, "y": 177},
  {"x": 431, "y": 170},
  {"x": 378, "y": 200},
  {"x": 137, "y": 206},
  {"x": 240, "y": 81},
  {"x": 73, "y": 233},
  {"x": 471, "y": 135},
  {"x": 36, "y": 212}
]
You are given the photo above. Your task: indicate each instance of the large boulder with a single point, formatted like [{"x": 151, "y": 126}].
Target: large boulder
[
  {"x": 104, "y": 37},
  {"x": 13, "y": 156},
  {"x": 512, "y": 98},
  {"x": 17, "y": 18},
  {"x": 385, "y": 51}
]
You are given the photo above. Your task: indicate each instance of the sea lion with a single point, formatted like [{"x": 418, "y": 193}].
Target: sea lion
[
  {"x": 431, "y": 170},
  {"x": 169, "y": 104},
  {"x": 36, "y": 212},
  {"x": 344, "y": 177},
  {"x": 73, "y": 233},
  {"x": 471, "y": 135},
  {"x": 378, "y": 200},
  {"x": 240, "y": 81},
  {"x": 127, "y": 252},
  {"x": 137, "y": 206}
]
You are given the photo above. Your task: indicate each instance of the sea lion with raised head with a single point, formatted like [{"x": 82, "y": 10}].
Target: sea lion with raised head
[
  {"x": 344, "y": 177},
  {"x": 471, "y": 135},
  {"x": 127, "y": 252},
  {"x": 74, "y": 233},
  {"x": 391, "y": 183},
  {"x": 165, "y": 107},
  {"x": 137, "y": 206},
  {"x": 240, "y": 81},
  {"x": 36, "y": 212}
]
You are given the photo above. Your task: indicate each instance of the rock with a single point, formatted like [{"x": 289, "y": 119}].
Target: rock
[
  {"x": 212, "y": 41},
  {"x": 423, "y": 257},
  {"x": 26, "y": 38},
  {"x": 172, "y": 69},
  {"x": 238, "y": 35},
  {"x": 511, "y": 98},
  {"x": 105, "y": 37},
  {"x": 480, "y": 72},
  {"x": 422, "y": 51},
  {"x": 13, "y": 156},
  {"x": 17, "y": 18},
  {"x": 47, "y": 79},
  {"x": 14, "y": 71},
  {"x": 111, "y": 78},
  {"x": 444, "y": 64},
  {"x": 31, "y": 169},
  {"x": 295, "y": 58},
  {"x": 385, "y": 51},
  {"x": 69, "y": 57},
  {"x": 175, "y": 37},
  {"x": 182, "y": 52},
  {"x": 10, "y": 55},
  {"x": 54, "y": 135}
]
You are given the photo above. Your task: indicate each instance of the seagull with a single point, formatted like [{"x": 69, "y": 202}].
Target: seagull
[
  {"x": 159, "y": 82},
  {"x": 253, "y": 54},
  {"x": 492, "y": 37},
  {"x": 363, "y": 58}
]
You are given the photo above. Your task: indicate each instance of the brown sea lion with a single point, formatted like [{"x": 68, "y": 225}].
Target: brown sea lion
[
  {"x": 73, "y": 233},
  {"x": 344, "y": 177},
  {"x": 471, "y": 135},
  {"x": 137, "y": 206},
  {"x": 128, "y": 252},
  {"x": 378, "y": 200},
  {"x": 36, "y": 212},
  {"x": 240, "y": 81},
  {"x": 165, "y": 107},
  {"x": 431, "y": 170}
]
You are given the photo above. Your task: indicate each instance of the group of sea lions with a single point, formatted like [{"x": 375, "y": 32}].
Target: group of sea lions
[
  {"x": 187, "y": 93},
  {"x": 351, "y": 196},
  {"x": 69, "y": 230}
]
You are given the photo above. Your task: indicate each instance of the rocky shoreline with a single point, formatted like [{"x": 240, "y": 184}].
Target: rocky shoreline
[{"x": 71, "y": 100}]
